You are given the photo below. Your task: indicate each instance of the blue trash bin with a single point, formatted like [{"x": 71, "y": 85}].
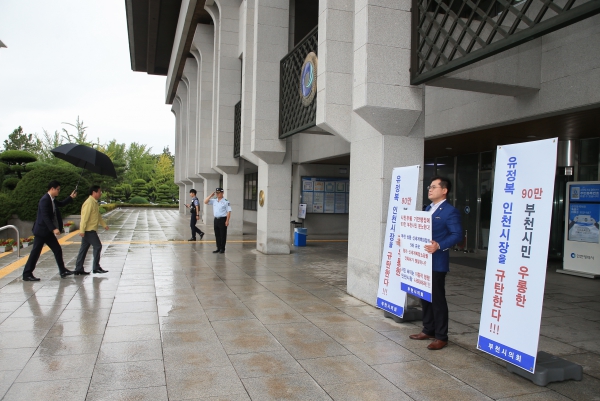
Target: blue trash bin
[{"x": 300, "y": 236}]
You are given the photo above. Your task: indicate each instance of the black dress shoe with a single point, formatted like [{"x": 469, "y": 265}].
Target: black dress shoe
[
  {"x": 31, "y": 278},
  {"x": 201, "y": 236},
  {"x": 192, "y": 239},
  {"x": 81, "y": 273},
  {"x": 222, "y": 251},
  {"x": 66, "y": 274},
  {"x": 100, "y": 270},
  {"x": 217, "y": 251}
]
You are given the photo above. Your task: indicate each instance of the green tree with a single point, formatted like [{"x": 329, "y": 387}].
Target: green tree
[
  {"x": 17, "y": 159},
  {"x": 18, "y": 140}
]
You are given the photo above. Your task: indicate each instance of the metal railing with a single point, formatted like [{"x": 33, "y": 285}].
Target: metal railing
[
  {"x": 18, "y": 238},
  {"x": 294, "y": 116}
]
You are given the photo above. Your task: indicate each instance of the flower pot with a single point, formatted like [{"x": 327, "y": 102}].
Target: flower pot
[
  {"x": 67, "y": 229},
  {"x": 25, "y": 244},
  {"x": 5, "y": 248}
]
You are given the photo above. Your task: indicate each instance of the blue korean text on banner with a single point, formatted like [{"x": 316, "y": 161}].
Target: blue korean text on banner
[
  {"x": 515, "y": 274},
  {"x": 403, "y": 196}
]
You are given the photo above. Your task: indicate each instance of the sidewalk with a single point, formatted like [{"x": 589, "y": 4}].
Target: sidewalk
[{"x": 173, "y": 321}]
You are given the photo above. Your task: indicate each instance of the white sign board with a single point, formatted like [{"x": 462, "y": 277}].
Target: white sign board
[
  {"x": 302, "y": 211},
  {"x": 415, "y": 233},
  {"x": 403, "y": 196},
  {"x": 513, "y": 293},
  {"x": 582, "y": 229}
]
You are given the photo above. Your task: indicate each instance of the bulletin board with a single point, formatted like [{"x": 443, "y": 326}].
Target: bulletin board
[{"x": 325, "y": 195}]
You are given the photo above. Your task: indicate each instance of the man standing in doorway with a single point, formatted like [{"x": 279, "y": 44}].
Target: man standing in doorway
[
  {"x": 222, "y": 213},
  {"x": 48, "y": 224},
  {"x": 446, "y": 231},
  {"x": 90, "y": 219},
  {"x": 195, "y": 212}
]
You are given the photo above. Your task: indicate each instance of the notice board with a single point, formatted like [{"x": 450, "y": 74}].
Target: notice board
[{"x": 325, "y": 195}]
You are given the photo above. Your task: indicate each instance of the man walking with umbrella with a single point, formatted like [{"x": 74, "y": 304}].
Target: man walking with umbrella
[
  {"x": 90, "y": 219},
  {"x": 48, "y": 224}
]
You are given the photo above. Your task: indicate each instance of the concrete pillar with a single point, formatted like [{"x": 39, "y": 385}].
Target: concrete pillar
[
  {"x": 203, "y": 50},
  {"x": 334, "y": 75},
  {"x": 271, "y": 21},
  {"x": 247, "y": 54},
  {"x": 210, "y": 184},
  {"x": 182, "y": 195},
  {"x": 387, "y": 131},
  {"x": 233, "y": 184},
  {"x": 190, "y": 80}
]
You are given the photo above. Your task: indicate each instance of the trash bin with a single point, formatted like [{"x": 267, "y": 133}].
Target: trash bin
[{"x": 300, "y": 236}]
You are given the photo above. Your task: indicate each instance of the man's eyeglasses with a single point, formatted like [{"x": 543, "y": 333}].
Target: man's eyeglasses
[{"x": 432, "y": 187}]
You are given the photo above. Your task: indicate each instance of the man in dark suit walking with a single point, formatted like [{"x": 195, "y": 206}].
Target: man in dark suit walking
[
  {"x": 446, "y": 231},
  {"x": 48, "y": 224}
]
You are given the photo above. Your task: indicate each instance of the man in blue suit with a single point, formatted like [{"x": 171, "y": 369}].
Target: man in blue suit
[
  {"x": 446, "y": 231},
  {"x": 48, "y": 224}
]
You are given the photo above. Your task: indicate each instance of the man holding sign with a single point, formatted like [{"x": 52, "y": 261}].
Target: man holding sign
[{"x": 446, "y": 231}]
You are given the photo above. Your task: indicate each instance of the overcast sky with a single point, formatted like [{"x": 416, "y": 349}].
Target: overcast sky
[{"x": 69, "y": 58}]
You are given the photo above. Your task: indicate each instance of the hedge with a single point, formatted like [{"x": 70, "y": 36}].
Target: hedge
[
  {"x": 138, "y": 200},
  {"x": 17, "y": 156},
  {"x": 10, "y": 183},
  {"x": 115, "y": 205},
  {"x": 30, "y": 189},
  {"x": 6, "y": 208}
]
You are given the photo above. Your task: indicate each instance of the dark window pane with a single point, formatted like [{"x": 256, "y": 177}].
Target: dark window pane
[{"x": 590, "y": 151}]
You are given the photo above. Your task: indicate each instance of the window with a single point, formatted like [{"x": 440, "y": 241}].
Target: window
[
  {"x": 589, "y": 158},
  {"x": 250, "y": 190}
]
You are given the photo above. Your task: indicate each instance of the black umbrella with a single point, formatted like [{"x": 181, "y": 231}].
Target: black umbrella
[{"x": 86, "y": 158}]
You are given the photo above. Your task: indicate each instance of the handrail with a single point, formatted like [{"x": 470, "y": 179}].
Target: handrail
[{"x": 18, "y": 238}]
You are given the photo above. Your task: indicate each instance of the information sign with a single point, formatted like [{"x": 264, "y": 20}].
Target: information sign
[
  {"x": 325, "y": 195},
  {"x": 403, "y": 197},
  {"x": 513, "y": 293},
  {"x": 414, "y": 234}
]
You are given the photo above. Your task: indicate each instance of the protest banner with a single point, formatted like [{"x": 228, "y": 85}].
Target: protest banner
[
  {"x": 403, "y": 196},
  {"x": 513, "y": 294}
]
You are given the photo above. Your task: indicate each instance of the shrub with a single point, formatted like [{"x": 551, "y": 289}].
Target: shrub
[
  {"x": 17, "y": 157},
  {"x": 10, "y": 183},
  {"x": 139, "y": 189},
  {"x": 33, "y": 165},
  {"x": 6, "y": 208},
  {"x": 102, "y": 210},
  {"x": 138, "y": 200},
  {"x": 30, "y": 189}
]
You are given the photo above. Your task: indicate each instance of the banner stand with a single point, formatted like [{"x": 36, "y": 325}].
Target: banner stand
[
  {"x": 410, "y": 315},
  {"x": 549, "y": 368}
]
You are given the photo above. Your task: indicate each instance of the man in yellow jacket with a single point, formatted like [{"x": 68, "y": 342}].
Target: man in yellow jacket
[{"x": 90, "y": 220}]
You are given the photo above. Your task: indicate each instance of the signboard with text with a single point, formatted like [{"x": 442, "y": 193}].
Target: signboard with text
[
  {"x": 513, "y": 294},
  {"x": 403, "y": 197},
  {"x": 415, "y": 233}
]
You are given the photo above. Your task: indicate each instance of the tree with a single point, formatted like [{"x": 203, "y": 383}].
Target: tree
[
  {"x": 80, "y": 137},
  {"x": 17, "y": 159},
  {"x": 18, "y": 140}
]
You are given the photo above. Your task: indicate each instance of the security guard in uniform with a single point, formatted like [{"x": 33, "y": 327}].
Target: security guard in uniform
[
  {"x": 195, "y": 212},
  {"x": 222, "y": 212}
]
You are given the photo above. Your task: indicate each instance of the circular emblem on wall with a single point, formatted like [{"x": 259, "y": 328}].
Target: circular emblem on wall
[{"x": 308, "y": 79}]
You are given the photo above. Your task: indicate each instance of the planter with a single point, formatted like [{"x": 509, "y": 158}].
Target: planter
[
  {"x": 5, "y": 248},
  {"x": 25, "y": 244},
  {"x": 67, "y": 229}
]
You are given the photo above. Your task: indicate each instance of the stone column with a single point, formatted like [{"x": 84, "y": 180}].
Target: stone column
[
  {"x": 210, "y": 184},
  {"x": 226, "y": 93},
  {"x": 271, "y": 21},
  {"x": 387, "y": 132},
  {"x": 176, "y": 109}
]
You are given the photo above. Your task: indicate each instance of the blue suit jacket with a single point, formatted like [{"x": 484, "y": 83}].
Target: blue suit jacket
[
  {"x": 446, "y": 230},
  {"x": 44, "y": 224}
]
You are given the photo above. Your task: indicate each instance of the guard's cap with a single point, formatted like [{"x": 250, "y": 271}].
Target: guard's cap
[{"x": 219, "y": 190}]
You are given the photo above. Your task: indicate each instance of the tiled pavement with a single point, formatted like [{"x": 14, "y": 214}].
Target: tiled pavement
[{"x": 172, "y": 321}]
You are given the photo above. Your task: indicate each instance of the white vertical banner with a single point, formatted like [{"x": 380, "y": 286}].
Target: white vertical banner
[
  {"x": 415, "y": 233},
  {"x": 403, "y": 196},
  {"x": 513, "y": 294}
]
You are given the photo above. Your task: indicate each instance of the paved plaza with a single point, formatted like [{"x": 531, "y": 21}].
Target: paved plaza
[{"x": 173, "y": 321}]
